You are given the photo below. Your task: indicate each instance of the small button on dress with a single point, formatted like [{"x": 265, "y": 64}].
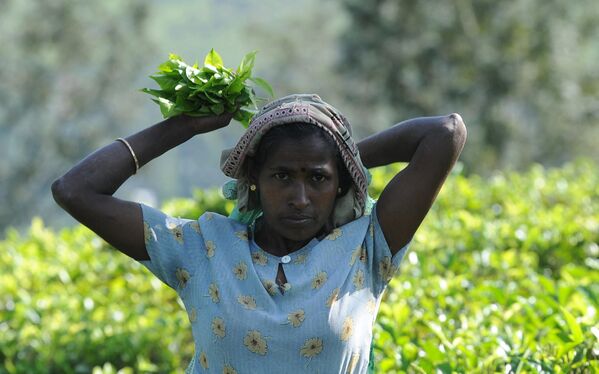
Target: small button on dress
[{"x": 285, "y": 259}]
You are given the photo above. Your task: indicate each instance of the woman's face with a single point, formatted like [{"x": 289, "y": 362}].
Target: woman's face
[{"x": 298, "y": 186}]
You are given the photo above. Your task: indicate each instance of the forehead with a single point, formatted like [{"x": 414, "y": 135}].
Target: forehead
[{"x": 310, "y": 152}]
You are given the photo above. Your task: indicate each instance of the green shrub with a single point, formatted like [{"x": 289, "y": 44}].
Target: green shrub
[{"x": 502, "y": 275}]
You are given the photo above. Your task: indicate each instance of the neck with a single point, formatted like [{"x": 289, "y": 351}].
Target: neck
[{"x": 275, "y": 244}]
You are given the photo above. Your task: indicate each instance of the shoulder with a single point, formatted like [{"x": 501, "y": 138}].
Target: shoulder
[{"x": 215, "y": 225}]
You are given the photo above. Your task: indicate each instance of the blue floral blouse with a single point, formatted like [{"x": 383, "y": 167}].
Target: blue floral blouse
[{"x": 242, "y": 322}]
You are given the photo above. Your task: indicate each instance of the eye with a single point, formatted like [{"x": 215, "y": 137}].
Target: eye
[
  {"x": 281, "y": 176},
  {"x": 319, "y": 178}
]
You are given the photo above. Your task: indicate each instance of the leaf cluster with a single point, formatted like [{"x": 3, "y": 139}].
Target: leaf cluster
[{"x": 210, "y": 90}]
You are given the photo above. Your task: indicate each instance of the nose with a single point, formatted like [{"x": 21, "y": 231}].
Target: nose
[{"x": 299, "y": 196}]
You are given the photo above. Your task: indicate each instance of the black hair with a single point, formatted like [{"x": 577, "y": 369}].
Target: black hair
[{"x": 298, "y": 131}]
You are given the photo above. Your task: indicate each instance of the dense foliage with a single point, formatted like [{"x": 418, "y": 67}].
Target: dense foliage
[
  {"x": 212, "y": 89},
  {"x": 502, "y": 276}
]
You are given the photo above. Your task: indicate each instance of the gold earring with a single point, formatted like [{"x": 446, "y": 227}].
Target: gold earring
[{"x": 252, "y": 187}]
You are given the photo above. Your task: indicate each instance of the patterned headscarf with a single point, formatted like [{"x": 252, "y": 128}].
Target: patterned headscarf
[{"x": 300, "y": 108}]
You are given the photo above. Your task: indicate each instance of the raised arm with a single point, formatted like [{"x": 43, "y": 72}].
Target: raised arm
[
  {"x": 431, "y": 146},
  {"x": 86, "y": 190}
]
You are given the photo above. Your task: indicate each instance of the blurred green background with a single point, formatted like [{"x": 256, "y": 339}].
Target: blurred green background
[
  {"x": 522, "y": 73},
  {"x": 522, "y": 205}
]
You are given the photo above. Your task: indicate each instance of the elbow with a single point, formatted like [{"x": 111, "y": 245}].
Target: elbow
[
  {"x": 58, "y": 191},
  {"x": 455, "y": 129},
  {"x": 62, "y": 194}
]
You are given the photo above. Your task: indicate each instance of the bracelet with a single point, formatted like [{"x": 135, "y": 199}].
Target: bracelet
[{"x": 126, "y": 143}]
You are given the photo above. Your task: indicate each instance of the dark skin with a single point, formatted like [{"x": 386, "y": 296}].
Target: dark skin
[
  {"x": 297, "y": 187},
  {"x": 431, "y": 145}
]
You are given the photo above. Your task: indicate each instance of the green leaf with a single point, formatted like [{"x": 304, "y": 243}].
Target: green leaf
[
  {"x": 565, "y": 349},
  {"x": 247, "y": 63},
  {"x": 217, "y": 108},
  {"x": 236, "y": 86},
  {"x": 577, "y": 335},
  {"x": 166, "y": 83},
  {"x": 157, "y": 93},
  {"x": 264, "y": 85},
  {"x": 166, "y": 107},
  {"x": 213, "y": 59}
]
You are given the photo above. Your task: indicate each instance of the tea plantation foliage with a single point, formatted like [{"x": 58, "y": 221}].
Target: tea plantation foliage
[{"x": 503, "y": 276}]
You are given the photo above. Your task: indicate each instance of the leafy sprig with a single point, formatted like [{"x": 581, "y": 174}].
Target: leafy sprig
[{"x": 212, "y": 89}]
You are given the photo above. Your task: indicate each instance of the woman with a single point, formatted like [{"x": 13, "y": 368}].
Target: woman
[{"x": 293, "y": 279}]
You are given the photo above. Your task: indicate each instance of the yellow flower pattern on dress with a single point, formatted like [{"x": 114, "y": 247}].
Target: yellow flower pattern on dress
[
  {"x": 259, "y": 258},
  {"x": 214, "y": 293},
  {"x": 386, "y": 269},
  {"x": 241, "y": 270},
  {"x": 243, "y": 235},
  {"x": 203, "y": 360},
  {"x": 248, "y": 302},
  {"x": 210, "y": 248},
  {"x": 193, "y": 315},
  {"x": 311, "y": 347},
  {"x": 319, "y": 280},
  {"x": 359, "y": 279},
  {"x": 358, "y": 253},
  {"x": 177, "y": 233},
  {"x": 228, "y": 369},
  {"x": 334, "y": 234},
  {"x": 371, "y": 307},
  {"x": 331, "y": 300},
  {"x": 209, "y": 216},
  {"x": 300, "y": 259},
  {"x": 348, "y": 329},
  {"x": 218, "y": 327},
  {"x": 270, "y": 287},
  {"x": 255, "y": 342},
  {"x": 296, "y": 318},
  {"x": 352, "y": 363},
  {"x": 182, "y": 276}
]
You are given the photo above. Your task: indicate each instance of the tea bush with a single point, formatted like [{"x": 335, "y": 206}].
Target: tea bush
[{"x": 502, "y": 276}]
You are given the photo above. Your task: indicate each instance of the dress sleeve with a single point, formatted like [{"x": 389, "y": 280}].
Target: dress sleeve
[
  {"x": 173, "y": 245},
  {"x": 383, "y": 264}
]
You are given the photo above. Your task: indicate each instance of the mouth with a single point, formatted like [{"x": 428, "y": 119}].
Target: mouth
[{"x": 298, "y": 219}]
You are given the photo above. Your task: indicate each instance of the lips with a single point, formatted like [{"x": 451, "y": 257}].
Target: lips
[{"x": 298, "y": 219}]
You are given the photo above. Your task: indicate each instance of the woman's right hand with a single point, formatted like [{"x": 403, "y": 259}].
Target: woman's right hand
[{"x": 201, "y": 125}]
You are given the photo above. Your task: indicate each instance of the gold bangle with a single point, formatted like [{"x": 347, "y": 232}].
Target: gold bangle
[{"x": 126, "y": 143}]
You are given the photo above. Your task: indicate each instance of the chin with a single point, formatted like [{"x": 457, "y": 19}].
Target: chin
[{"x": 301, "y": 234}]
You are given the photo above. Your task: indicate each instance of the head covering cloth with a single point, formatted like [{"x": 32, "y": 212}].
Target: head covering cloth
[{"x": 299, "y": 108}]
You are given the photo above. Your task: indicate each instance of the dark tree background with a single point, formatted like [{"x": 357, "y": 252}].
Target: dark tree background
[
  {"x": 66, "y": 78},
  {"x": 523, "y": 73}
]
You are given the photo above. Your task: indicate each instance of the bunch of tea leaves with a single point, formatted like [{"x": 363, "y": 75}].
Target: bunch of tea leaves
[{"x": 209, "y": 90}]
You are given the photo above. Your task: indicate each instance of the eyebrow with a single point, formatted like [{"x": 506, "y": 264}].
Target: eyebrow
[{"x": 321, "y": 169}]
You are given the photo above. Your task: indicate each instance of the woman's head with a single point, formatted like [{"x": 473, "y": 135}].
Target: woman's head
[
  {"x": 299, "y": 175},
  {"x": 287, "y": 121}
]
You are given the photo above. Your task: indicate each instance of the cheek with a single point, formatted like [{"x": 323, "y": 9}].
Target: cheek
[{"x": 326, "y": 200}]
